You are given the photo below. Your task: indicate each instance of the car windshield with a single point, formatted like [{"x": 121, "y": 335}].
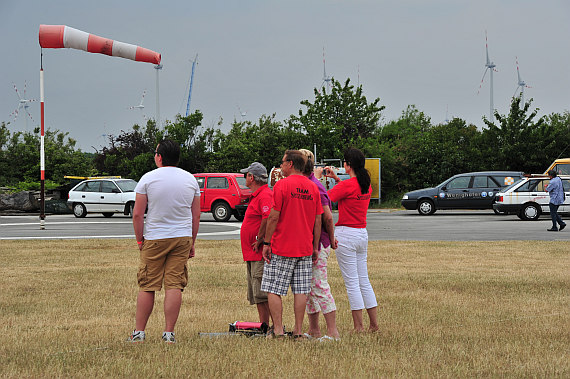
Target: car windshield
[
  {"x": 506, "y": 189},
  {"x": 241, "y": 182},
  {"x": 126, "y": 185}
]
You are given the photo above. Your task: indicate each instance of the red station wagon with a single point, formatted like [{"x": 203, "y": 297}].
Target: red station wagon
[{"x": 223, "y": 194}]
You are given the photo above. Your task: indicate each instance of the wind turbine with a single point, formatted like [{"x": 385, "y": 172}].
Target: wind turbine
[
  {"x": 489, "y": 66},
  {"x": 140, "y": 106},
  {"x": 241, "y": 113},
  {"x": 326, "y": 79},
  {"x": 521, "y": 84},
  {"x": 23, "y": 103}
]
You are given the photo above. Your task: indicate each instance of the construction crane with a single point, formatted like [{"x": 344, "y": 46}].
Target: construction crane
[{"x": 191, "y": 83}]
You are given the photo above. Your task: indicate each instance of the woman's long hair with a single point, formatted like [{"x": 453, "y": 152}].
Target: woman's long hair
[{"x": 355, "y": 159}]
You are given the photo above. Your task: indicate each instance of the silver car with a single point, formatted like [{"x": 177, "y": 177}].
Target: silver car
[{"x": 106, "y": 196}]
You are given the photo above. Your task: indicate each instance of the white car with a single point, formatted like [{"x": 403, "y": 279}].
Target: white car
[
  {"x": 106, "y": 196},
  {"x": 528, "y": 198}
]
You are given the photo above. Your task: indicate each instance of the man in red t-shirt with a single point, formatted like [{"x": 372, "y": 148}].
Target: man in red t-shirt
[
  {"x": 252, "y": 233},
  {"x": 291, "y": 240}
]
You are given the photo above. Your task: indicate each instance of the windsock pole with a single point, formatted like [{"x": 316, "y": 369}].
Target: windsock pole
[
  {"x": 42, "y": 150},
  {"x": 62, "y": 36},
  {"x": 157, "y": 67}
]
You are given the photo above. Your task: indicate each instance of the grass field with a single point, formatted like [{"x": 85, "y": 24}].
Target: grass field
[{"x": 447, "y": 309}]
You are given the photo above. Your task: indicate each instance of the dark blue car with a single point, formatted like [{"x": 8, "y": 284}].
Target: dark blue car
[{"x": 472, "y": 190}]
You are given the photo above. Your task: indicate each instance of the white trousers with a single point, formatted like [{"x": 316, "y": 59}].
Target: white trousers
[{"x": 352, "y": 254}]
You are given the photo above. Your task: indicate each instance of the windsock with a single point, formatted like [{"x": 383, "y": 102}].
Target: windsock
[{"x": 61, "y": 36}]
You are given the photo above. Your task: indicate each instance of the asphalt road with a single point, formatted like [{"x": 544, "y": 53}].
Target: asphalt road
[{"x": 382, "y": 225}]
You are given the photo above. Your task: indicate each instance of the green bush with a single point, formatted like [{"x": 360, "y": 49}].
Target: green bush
[{"x": 35, "y": 186}]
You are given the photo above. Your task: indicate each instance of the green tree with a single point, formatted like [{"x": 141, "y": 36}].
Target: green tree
[
  {"x": 557, "y": 125},
  {"x": 235, "y": 150},
  {"x": 20, "y": 157},
  {"x": 246, "y": 142},
  {"x": 446, "y": 150},
  {"x": 130, "y": 154},
  {"x": 337, "y": 120},
  {"x": 187, "y": 131},
  {"x": 517, "y": 141},
  {"x": 395, "y": 143}
]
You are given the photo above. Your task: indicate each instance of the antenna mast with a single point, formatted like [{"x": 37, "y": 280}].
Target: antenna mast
[
  {"x": 191, "y": 84},
  {"x": 158, "y": 67}
]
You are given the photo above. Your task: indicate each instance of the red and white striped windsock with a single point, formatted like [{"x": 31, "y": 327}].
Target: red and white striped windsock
[{"x": 61, "y": 36}]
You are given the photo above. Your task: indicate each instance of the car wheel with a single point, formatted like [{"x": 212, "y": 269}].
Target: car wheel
[
  {"x": 79, "y": 210},
  {"x": 238, "y": 216},
  {"x": 131, "y": 209},
  {"x": 221, "y": 212},
  {"x": 520, "y": 215},
  {"x": 108, "y": 214},
  {"x": 426, "y": 207},
  {"x": 531, "y": 212},
  {"x": 499, "y": 212}
]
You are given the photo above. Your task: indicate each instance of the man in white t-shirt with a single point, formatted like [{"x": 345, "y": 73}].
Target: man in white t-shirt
[{"x": 173, "y": 218}]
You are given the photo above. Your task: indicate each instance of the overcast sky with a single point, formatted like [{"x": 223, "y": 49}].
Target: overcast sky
[{"x": 265, "y": 56}]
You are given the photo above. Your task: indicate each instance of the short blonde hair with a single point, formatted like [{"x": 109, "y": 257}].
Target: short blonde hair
[
  {"x": 308, "y": 154},
  {"x": 310, "y": 161}
]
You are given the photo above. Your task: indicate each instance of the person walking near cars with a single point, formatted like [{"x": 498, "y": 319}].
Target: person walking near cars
[
  {"x": 172, "y": 223},
  {"x": 291, "y": 241},
  {"x": 252, "y": 234},
  {"x": 320, "y": 298},
  {"x": 353, "y": 197},
  {"x": 556, "y": 191}
]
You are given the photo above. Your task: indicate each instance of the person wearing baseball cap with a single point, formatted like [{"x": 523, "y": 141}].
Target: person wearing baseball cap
[
  {"x": 252, "y": 233},
  {"x": 256, "y": 169}
]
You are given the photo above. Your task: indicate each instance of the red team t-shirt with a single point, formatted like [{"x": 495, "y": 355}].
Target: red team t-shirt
[
  {"x": 258, "y": 209},
  {"x": 298, "y": 201},
  {"x": 352, "y": 204}
]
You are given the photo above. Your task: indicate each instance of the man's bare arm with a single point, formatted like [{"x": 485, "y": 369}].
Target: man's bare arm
[
  {"x": 195, "y": 223},
  {"x": 260, "y": 235},
  {"x": 141, "y": 201},
  {"x": 316, "y": 237},
  {"x": 328, "y": 225},
  {"x": 269, "y": 230}
]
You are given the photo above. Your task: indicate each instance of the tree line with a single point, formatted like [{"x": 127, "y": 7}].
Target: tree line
[{"x": 414, "y": 152}]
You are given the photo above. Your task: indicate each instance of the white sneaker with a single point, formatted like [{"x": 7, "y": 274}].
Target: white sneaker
[
  {"x": 326, "y": 338},
  {"x": 136, "y": 337},
  {"x": 168, "y": 337}
]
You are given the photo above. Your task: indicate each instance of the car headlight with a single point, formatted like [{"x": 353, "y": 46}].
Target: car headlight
[{"x": 405, "y": 197}]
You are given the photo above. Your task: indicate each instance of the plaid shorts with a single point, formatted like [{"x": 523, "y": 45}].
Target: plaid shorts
[{"x": 283, "y": 272}]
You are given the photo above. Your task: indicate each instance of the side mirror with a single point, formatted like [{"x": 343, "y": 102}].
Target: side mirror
[{"x": 444, "y": 188}]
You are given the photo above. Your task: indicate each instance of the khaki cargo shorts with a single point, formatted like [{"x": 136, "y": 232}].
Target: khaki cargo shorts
[
  {"x": 164, "y": 260},
  {"x": 254, "y": 274}
]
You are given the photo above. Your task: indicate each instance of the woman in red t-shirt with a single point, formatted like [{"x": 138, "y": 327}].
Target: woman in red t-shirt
[{"x": 353, "y": 197}]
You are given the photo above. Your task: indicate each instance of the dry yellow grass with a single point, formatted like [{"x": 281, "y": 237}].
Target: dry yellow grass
[{"x": 447, "y": 309}]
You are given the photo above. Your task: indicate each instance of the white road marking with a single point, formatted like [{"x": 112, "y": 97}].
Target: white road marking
[
  {"x": 106, "y": 237},
  {"x": 200, "y": 234}
]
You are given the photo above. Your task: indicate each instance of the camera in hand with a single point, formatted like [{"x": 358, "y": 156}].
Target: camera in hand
[{"x": 325, "y": 172}]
